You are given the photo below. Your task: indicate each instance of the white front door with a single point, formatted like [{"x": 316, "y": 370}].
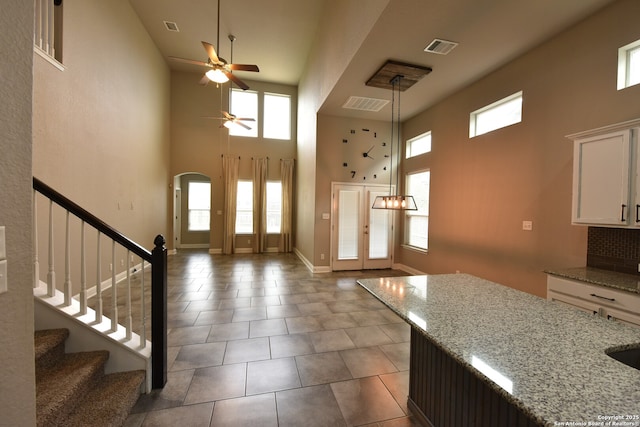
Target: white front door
[{"x": 361, "y": 237}]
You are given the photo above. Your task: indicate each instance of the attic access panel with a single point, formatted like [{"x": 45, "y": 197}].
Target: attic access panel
[{"x": 411, "y": 75}]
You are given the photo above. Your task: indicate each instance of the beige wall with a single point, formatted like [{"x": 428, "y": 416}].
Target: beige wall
[
  {"x": 101, "y": 126},
  {"x": 17, "y": 376},
  {"x": 342, "y": 30},
  {"x": 483, "y": 188},
  {"x": 197, "y": 143}
]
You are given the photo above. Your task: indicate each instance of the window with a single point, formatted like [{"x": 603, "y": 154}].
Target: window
[
  {"x": 417, "y": 222},
  {"x": 500, "y": 114},
  {"x": 47, "y": 36},
  {"x": 419, "y": 145},
  {"x": 244, "y": 208},
  {"x": 277, "y": 116},
  {"x": 199, "y": 205},
  {"x": 244, "y": 104},
  {"x": 629, "y": 65},
  {"x": 274, "y": 206}
]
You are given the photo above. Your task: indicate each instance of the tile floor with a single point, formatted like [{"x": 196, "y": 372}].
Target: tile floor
[{"x": 258, "y": 340}]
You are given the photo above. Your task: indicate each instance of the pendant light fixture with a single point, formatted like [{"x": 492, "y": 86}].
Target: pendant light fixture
[{"x": 395, "y": 201}]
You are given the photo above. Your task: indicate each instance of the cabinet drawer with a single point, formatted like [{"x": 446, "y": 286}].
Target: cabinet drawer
[{"x": 602, "y": 296}]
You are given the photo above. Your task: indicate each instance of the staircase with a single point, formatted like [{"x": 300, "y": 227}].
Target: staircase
[{"x": 72, "y": 389}]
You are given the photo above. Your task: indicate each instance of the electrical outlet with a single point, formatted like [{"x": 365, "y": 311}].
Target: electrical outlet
[
  {"x": 3, "y": 276},
  {"x": 3, "y": 250},
  {"x": 527, "y": 225},
  {"x": 110, "y": 267},
  {"x": 121, "y": 263},
  {"x": 322, "y": 257}
]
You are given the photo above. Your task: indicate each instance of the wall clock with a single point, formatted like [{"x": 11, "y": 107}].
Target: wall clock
[{"x": 367, "y": 155}]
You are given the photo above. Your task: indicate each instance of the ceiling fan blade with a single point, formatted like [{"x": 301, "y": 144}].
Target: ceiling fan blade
[
  {"x": 243, "y": 67},
  {"x": 211, "y": 52},
  {"x": 228, "y": 115},
  {"x": 204, "y": 80},
  {"x": 236, "y": 80},
  {"x": 242, "y": 124},
  {"x": 189, "y": 61},
  {"x": 246, "y": 119}
]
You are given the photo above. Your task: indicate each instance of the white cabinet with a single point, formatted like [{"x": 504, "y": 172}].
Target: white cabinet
[
  {"x": 606, "y": 191},
  {"x": 613, "y": 304}
]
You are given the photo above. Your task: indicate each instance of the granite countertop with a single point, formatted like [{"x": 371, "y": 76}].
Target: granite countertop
[
  {"x": 596, "y": 276},
  {"x": 547, "y": 359}
]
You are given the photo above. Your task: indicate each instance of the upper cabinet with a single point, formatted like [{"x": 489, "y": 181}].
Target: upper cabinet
[{"x": 606, "y": 165}]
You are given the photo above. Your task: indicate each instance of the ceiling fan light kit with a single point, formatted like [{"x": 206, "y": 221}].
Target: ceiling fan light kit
[{"x": 216, "y": 75}]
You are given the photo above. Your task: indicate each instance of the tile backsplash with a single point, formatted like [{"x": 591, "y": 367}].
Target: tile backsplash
[{"x": 616, "y": 249}]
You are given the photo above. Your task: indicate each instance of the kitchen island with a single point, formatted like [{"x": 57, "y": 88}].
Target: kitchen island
[{"x": 487, "y": 355}]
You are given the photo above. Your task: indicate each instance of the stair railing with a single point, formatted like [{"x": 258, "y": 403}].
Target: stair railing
[{"x": 156, "y": 259}]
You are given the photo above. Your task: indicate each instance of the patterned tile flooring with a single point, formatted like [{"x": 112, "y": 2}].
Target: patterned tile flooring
[{"x": 258, "y": 340}]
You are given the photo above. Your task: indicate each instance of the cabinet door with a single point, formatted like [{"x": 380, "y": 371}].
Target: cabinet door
[{"x": 601, "y": 177}]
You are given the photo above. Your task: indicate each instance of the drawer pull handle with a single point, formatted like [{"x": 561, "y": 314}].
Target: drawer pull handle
[
  {"x": 601, "y": 297},
  {"x": 637, "y": 213},
  {"x": 622, "y": 213}
]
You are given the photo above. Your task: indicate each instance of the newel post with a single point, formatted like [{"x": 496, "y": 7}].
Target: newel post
[{"x": 159, "y": 313}]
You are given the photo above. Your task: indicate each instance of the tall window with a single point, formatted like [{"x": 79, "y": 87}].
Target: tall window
[
  {"x": 503, "y": 113},
  {"x": 417, "y": 222},
  {"x": 277, "y": 116},
  {"x": 199, "y": 205},
  {"x": 419, "y": 145},
  {"x": 244, "y": 104},
  {"x": 274, "y": 206},
  {"x": 629, "y": 65},
  {"x": 244, "y": 208}
]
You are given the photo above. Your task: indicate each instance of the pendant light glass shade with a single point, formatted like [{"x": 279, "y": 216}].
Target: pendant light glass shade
[
  {"x": 395, "y": 201},
  {"x": 217, "y": 76}
]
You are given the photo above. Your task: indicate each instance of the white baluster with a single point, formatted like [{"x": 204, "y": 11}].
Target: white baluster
[
  {"x": 114, "y": 289},
  {"x": 129, "y": 322},
  {"x": 98, "y": 284},
  {"x": 67, "y": 266},
  {"x": 51, "y": 29},
  {"x": 143, "y": 312},
  {"x": 83, "y": 273},
  {"x": 36, "y": 263},
  {"x": 51, "y": 275}
]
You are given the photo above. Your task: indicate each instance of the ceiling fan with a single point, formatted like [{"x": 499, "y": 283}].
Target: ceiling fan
[
  {"x": 231, "y": 119},
  {"x": 220, "y": 71}
]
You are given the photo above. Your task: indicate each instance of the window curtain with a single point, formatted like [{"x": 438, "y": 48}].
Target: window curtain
[
  {"x": 260, "y": 204},
  {"x": 230, "y": 181},
  {"x": 286, "y": 172}
]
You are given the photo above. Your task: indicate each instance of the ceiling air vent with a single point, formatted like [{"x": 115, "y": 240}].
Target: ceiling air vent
[
  {"x": 365, "y": 104},
  {"x": 171, "y": 26},
  {"x": 441, "y": 47}
]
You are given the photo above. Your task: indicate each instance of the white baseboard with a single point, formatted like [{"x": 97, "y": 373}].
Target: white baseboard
[
  {"x": 408, "y": 269},
  {"x": 194, "y": 246},
  {"x": 215, "y": 251},
  {"x": 106, "y": 284},
  {"x": 243, "y": 251},
  {"x": 312, "y": 268}
]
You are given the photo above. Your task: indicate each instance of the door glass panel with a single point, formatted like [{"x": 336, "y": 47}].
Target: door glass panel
[
  {"x": 378, "y": 229},
  {"x": 348, "y": 224}
]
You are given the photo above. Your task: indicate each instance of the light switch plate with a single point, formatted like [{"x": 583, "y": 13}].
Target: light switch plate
[
  {"x": 3, "y": 276},
  {"x": 3, "y": 249}
]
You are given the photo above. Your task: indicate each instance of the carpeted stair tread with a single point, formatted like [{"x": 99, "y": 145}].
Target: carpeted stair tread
[
  {"x": 49, "y": 347},
  {"x": 110, "y": 402},
  {"x": 60, "y": 387}
]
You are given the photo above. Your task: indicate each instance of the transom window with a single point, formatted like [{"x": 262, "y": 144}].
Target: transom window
[
  {"x": 629, "y": 65},
  {"x": 419, "y": 145},
  {"x": 277, "y": 116},
  {"x": 199, "y": 205},
  {"x": 502, "y": 113},
  {"x": 244, "y": 207},
  {"x": 244, "y": 104},
  {"x": 417, "y": 222}
]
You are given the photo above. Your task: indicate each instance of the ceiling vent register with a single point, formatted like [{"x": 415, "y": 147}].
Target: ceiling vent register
[
  {"x": 441, "y": 47},
  {"x": 365, "y": 104}
]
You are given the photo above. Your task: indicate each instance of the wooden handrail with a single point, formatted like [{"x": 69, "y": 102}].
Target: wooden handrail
[{"x": 91, "y": 219}]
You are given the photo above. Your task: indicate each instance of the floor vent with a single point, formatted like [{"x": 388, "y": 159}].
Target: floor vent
[
  {"x": 171, "y": 26},
  {"x": 441, "y": 47},
  {"x": 365, "y": 104}
]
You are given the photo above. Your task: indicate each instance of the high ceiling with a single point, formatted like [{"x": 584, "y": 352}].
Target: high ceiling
[{"x": 278, "y": 34}]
